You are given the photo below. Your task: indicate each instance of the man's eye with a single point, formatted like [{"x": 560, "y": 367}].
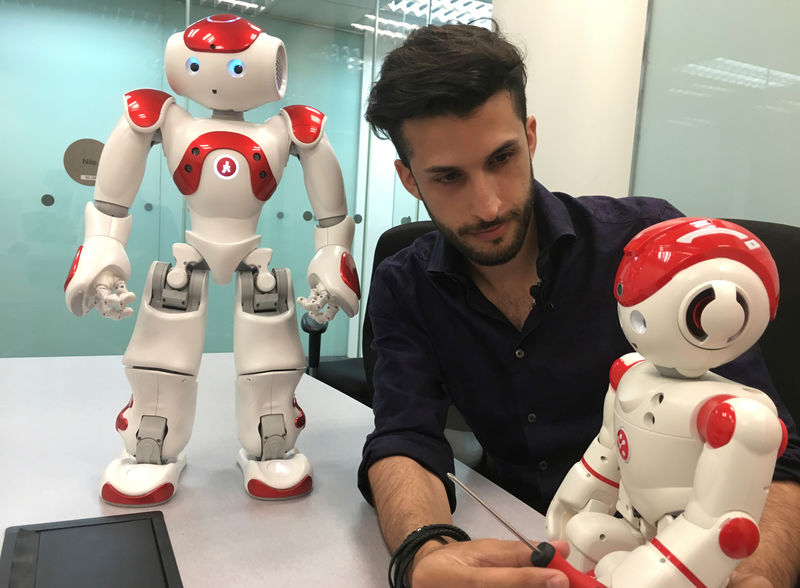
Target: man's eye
[
  {"x": 503, "y": 157},
  {"x": 448, "y": 178}
]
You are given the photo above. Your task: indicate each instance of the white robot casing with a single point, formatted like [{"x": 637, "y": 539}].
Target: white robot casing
[
  {"x": 684, "y": 456},
  {"x": 226, "y": 168}
]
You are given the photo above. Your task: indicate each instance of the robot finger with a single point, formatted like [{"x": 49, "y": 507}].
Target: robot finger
[
  {"x": 316, "y": 300},
  {"x": 111, "y": 305},
  {"x": 125, "y": 299},
  {"x": 330, "y": 312}
]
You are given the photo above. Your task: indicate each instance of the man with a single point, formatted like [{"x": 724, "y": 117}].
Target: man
[{"x": 507, "y": 312}]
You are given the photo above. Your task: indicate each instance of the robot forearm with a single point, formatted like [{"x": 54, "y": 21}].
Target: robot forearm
[{"x": 334, "y": 231}]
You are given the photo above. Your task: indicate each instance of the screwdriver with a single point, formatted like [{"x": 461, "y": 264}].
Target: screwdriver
[{"x": 544, "y": 555}]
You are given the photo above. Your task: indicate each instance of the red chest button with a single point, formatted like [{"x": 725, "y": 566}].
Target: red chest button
[{"x": 623, "y": 445}]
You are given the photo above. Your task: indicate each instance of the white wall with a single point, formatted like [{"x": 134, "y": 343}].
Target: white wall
[{"x": 584, "y": 60}]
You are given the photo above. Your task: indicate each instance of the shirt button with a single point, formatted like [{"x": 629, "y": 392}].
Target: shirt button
[
  {"x": 519, "y": 353},
  {"x": 543, "y": 465},
  {"x": 531, "y": 418}
]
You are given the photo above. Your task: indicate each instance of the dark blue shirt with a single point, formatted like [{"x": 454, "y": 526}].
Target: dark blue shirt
[{"x": 533, "y": 398}]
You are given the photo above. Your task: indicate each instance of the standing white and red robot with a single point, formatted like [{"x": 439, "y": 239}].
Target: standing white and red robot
[
  {"x": 227, "y": 169},
  {"x": 685, "y": 456}
]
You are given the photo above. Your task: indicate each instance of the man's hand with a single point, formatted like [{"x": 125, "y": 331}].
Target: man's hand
[
  {"x": 485, "y": 562},
  {"x": 745, "y": 580}
]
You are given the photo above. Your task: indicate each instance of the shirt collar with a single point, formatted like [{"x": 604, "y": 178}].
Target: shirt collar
[{"x": 553, "y": 223}]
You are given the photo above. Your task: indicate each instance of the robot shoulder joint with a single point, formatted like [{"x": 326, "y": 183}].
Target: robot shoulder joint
[
  {"x": 306, "y": 124},
  {"x": 725, "y": 418},
  {"x": 146, "y": 109},
  {"x": 622, "y": 365}
]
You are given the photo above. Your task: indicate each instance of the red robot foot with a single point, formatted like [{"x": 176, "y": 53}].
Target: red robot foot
[
  {"x": 127, "y": 483},
  {"x": 276, "y": 479}
]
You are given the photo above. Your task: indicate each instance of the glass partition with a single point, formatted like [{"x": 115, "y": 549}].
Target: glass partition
[
  {"x": 719, "y": 128},
  {"x": 67, "y": 67}
]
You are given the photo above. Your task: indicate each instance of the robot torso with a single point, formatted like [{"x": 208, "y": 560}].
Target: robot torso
[{"x": 657, "y": 440}]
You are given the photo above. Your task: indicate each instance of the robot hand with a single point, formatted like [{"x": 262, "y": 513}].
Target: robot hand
[
  {"x": 98, "y": 279},
  {"x": 113, "y": 302},
  {"x": 316, "y": 302},
  {"x": 334, "y": 283}
]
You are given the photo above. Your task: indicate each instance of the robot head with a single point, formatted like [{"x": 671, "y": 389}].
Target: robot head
[
  {"x": 694, "y": 293},
  {"x": 225, "y": 62}
]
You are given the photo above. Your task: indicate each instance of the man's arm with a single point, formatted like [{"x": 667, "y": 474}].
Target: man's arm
[
  {"x": 778, "y": 555},
  {"x": 407, "y": 496}
]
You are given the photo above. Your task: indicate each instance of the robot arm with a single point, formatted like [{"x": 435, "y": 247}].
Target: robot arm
[
  {"x": 592, "y": 484},
  {"x": 101, "y": 267},
  {"x": 719, "y": 526},
  {"x": 332, "y": 273}
]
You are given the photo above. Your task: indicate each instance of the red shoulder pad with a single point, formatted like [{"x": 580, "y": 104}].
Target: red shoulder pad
[
  {"x": 618, "y": 369},
  {"x": 307, "y": 123},
  {"x": 145, "y": 108}
]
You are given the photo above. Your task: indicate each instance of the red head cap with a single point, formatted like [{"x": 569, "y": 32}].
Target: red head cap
[
  {"x": 221, "y": 33},
  {"x": 658, "y": 253}
]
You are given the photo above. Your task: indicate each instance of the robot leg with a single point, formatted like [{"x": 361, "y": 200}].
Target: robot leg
[
  {"x": 162, "y": 360},
  {"x": 689, "y": 554},
  {"x": 269, "y": 364},
  {"x": 594, "y": 535}
]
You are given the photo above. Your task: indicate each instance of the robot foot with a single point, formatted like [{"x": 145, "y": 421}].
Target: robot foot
[
  {"x": 276, "y": 479},
  {"x": 127, "y": 483}
]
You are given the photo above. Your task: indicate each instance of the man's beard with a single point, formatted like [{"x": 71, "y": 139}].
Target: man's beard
[{"x": 521, "y": 216}]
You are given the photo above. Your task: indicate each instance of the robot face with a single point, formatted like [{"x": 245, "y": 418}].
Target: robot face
[
  {"x": 226, "y": 63},
  {"x": 695, "y": 293}
]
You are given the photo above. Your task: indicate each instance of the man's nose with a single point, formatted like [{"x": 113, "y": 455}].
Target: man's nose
[{"x": 485, "y": 198}]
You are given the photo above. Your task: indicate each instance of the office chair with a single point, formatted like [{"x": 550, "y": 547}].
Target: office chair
[
  {"x": 353, "y": 376},
  {"x": 779, "y": 341}
]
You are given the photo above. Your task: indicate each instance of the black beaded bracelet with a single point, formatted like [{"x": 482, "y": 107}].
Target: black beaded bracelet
[{"x": 404, "y": 555}]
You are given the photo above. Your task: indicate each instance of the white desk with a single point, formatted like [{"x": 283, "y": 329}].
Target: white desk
[{"x": 57, "y": 435}]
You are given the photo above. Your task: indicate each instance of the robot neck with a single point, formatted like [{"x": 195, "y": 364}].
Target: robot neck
[
  {"x": 228, "y": 115},
  {"x": 671, "y": 372}
]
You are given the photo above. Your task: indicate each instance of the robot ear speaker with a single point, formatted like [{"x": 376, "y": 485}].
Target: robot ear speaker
[
  {"x": 694, "y": 313},
  {"x": 727, "y": 311}
]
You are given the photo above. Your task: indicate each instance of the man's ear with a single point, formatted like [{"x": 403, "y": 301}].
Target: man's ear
[
  {"x": 530, "y": 133},
  {"x": 407, "y": 179}
]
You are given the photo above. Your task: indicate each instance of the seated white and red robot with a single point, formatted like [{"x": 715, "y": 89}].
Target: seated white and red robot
[
  {"x": 671, "y": 491},
  {"x": 226, "y": 168}
]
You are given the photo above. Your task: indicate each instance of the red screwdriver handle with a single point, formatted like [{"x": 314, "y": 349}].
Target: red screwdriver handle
[{"x": 548, "y": 557}]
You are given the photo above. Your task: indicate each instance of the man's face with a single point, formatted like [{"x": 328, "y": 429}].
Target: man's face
[{"x": 474, "y": 176}]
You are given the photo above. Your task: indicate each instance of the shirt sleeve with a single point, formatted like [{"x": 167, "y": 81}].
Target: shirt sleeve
[{"x": 409, "y": 403}]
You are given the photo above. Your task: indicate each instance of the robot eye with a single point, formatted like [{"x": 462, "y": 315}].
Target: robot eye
[
  {"x": 236, "y": 68},
  {"x": 192, "y": 65},
  {"x": 638, "y": 322}
]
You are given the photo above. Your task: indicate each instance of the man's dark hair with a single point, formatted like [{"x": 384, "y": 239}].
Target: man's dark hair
[{"x": 443, "y": 70}]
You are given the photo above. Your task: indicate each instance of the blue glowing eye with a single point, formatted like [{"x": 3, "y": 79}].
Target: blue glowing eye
[
  {"x": 236, "y": 68},
  {"x": 192, "y": 65}
]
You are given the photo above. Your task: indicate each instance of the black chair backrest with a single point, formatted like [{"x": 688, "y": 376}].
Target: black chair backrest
[
  {"x": 779, "y": 341},
  {"x": 389, "y": 243}
]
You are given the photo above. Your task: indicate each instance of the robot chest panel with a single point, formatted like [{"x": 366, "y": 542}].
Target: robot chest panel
[
  {"x": 652, "y": 458},
  {"x": 231, "y": 167},
  {"x": 657, "y": 442}
]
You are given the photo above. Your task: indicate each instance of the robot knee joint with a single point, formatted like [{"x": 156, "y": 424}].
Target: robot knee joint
[
  {"x": 169, "y": 299},
  {"x": 274, "y": 301}
]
